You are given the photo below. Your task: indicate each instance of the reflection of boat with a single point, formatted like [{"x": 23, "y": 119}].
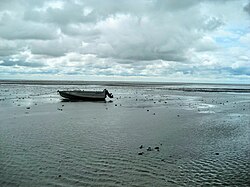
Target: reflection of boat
[{"x": 86, "y": 95}]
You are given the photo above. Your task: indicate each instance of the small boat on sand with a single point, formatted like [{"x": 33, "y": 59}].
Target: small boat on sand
[{"x": 86, "y": 95}]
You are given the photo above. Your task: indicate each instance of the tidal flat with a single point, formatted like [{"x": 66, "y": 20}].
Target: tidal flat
[{"x": 147, "y": 135}]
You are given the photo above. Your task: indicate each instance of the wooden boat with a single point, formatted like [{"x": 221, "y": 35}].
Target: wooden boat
[{"x": 86, "y": 95}]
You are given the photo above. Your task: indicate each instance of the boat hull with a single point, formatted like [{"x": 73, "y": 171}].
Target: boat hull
[{"x": 83, "y": 96}]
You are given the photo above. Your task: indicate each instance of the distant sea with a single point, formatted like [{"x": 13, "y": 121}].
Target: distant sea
[{"x": 127, "y": 83}]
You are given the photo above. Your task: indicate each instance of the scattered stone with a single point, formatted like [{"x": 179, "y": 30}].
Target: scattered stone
[
  {"x": 147, "y": 110},
  {"x": 163, "y": 160},
  {"x": 141, "y": 147},
  {"x": 217, "y": 153},
  {"x": 149, "y": 149},
  {"x": 62, "y": 105},
  {"x": 27, "y": 107},
  {"x": 153, "y": 113},
  {"x": 115, "y": 104},
  {"x": 157, "y": 148},
  {"x": 178, "y": 115},
  {"x": 140, "y": 153},
  {"x": 59, "y": 175}
]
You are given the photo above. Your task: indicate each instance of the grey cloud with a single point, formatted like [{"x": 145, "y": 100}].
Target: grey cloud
[
  {"x": 12, "y": 28},
  {"x": 86, "y": 32},
  {"x": 247, "y": 8},
  {"x": 55, "y": 48},
  {"x": 48, "y": 49},
  {"x": 7, "y": 48},
  {"x": 145, "y": 38},
  {"x": 70, "y": 13},
  {"x": 19, "y": 5},
  {"x": 88, "y": 11},
  {"x": 7, "y": 51},
  {"x": 175, "y": 5},
  {"x": 9, "y": 5},
  {"x": 213, "y": 23}
]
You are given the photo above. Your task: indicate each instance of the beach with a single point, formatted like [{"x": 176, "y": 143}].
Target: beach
[{"x": 196, "y": 136}]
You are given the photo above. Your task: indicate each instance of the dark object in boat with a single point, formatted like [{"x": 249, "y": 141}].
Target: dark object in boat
[{"x": 85, "y": 95}]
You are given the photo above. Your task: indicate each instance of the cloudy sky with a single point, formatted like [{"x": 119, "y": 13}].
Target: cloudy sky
[{"x": 141, "y": 40}]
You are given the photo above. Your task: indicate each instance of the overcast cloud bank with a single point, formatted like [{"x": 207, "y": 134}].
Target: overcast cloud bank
[{"x": 158, "y": 40}]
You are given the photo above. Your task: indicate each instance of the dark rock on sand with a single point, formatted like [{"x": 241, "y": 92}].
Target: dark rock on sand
[
  {"x": 140, "y": 153},
  {"x": 141, "y": 147},
  {"x": 149, "y": 149}
]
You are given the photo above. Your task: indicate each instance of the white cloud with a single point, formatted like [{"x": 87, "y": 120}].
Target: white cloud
[{"x": 245, "y": 39}]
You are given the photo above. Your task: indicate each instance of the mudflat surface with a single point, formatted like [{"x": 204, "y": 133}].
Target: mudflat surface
[{"x": 196, "y": 138}]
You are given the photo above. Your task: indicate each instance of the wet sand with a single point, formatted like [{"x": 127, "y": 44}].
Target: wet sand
[{"x": 195, "y": 138}]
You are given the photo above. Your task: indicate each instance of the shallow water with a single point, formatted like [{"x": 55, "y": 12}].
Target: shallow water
[{"x": 203, "y": 138}]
